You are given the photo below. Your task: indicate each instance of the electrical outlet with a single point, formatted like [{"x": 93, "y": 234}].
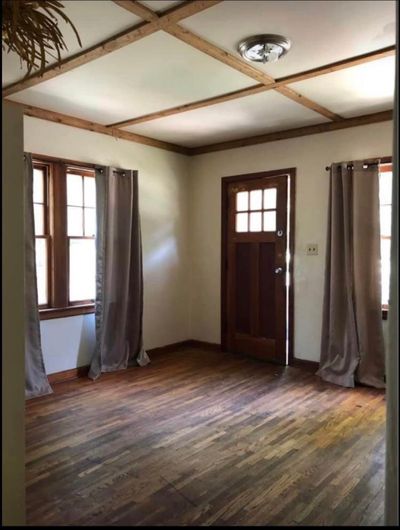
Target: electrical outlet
[{"x": 312, "y": 249}]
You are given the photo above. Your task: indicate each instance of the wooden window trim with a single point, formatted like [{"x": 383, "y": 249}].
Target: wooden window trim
[
  {"x": 62, "y": 312},
  {"x": 56, "y": 170}
]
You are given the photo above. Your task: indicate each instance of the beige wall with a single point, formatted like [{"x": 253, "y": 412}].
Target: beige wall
[
  {"x": 13, "y": 359},
  {"x": 309, "y": 155},
  {"x": 180, "y": 208},
  {"x": 163, "y": 202}
]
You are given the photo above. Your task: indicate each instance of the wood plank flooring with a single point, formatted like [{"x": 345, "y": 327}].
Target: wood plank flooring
[{"x": 206, "y": 438}]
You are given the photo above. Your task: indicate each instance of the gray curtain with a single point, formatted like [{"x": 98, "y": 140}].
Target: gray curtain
[
  {"x": 36, "y": 383},
  {"x": 352, "y": 346},
  {"x": 119, "y": 282}
]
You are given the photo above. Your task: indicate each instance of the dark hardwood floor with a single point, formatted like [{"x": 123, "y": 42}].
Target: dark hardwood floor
[{"x": 206, "y": 438}]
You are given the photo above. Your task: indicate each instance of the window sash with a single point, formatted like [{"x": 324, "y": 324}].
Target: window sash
[{"x": 55, "y": 233}]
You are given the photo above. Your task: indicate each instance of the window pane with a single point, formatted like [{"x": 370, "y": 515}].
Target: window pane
[
  {"x": 74, "y": 190},
  {"x": 386, "y": 220},
  {"x": 90, "y": 191},
  {"x": 38, "y": 185},
  {"x": 255, "y": 222},
  {"x": 269, "y": 221},
  {"x": 41, "y": 270},
  {"x": 385, "y": 269},
  {"x": 38, "y": 213},
  {"x": 75, "y": 221},
  {"x": 242, "y": 201},
  {"x": 385, "y": 188},
  {"x": 255, "y": 200},
  {"x": 82, "y": 269},
  {"x": 269, "y": 198},
  {"x": 242, "y": 220},
  {"x": 90, "y": 222}
]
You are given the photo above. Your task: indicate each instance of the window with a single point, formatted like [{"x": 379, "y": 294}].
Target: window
[
  {"x": 385, "y": 201},
  {"x": 64, "y": 199},
  {"x": 41, "y": 221},
  {"x": 256, "y": 210}
]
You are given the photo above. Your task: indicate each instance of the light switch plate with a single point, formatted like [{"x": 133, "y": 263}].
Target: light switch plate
[{"x": 312, "y": 249}]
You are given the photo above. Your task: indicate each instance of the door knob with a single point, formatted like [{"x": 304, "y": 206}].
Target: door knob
[
  {"x": 279, "y": 270},
  {"x": 279, "y": 233}
]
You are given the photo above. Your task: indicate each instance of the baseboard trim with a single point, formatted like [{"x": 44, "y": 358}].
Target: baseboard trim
[
  {"x": 82, "y": 371},
  {"x": 169, "y": 348},
  {"x": 211, "y": 346},
  {"x": 312, "y": 366},
  {"x": 68, "y": 375}
]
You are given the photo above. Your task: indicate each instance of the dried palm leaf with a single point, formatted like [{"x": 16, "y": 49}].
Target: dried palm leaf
[{"x": 30, "y": 29}]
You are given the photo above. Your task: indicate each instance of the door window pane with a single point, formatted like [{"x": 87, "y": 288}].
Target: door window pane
[
  {"x": 38, "y": 213},
  {"x": 255, "y": 200},
  {"x": 38, "y": 185},
  {"x": 41, "y": 270},
  {"x": 255, "y": 222},
  {"x": 75, "y": 221},
  {"x": 90, "y": 191},
  {"x": 90, "y": 222},
  {"x": 242, "y": 201},
  {"x": 269, "y": 221},
  {"x": 82, "y": 269},
  {"x": 242, "y": 222},
  {"x": 269, "y": 198},
  {"x": 74, "y": 190}
]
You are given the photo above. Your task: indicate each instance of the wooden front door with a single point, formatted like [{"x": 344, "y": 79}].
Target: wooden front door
[{"x": 256, "y": 232}]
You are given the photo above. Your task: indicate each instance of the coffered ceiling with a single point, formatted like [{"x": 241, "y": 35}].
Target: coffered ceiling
[{"x": 181, "y": 57}]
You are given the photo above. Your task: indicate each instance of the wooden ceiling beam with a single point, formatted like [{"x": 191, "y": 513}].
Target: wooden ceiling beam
[
  {"x": 247, "y": 69},
  {"x": 79, "y": 123},
  {"x": 294, "y": 133},
  {"x": 227, "y": 58},
  {"x": 138, "y": 9},
  {"x": 256, "y": 89},
  {"x": 128, "y": 36},
  {"x": 72, "y": 121}
]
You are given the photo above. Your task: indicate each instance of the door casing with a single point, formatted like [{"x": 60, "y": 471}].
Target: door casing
[{"x": 225, "y": 181}]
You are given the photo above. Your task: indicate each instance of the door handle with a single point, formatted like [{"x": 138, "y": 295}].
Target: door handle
[{"x": 279, "y": 270}]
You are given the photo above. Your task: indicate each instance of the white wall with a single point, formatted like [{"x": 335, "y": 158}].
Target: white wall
[
  {"x": 181, "y": 197},
  {"x": 163, "y": 203},
  {"x": 13, "y": 344},
  {"x": 310, "y": 155}
]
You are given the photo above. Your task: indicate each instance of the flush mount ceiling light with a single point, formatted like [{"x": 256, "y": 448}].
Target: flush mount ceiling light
[{"x": 264, "y": 48}]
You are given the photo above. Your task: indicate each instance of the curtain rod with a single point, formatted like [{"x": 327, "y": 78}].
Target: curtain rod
[
  {"x": 351, "y": 166},
  {"x": 369, "y": 162}
]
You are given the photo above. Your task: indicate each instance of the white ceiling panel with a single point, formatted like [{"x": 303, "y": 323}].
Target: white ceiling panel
[
  {"x": 95, "y": 21},
  {"x": 359, "y": 90},
  {"x": 248, "y": 116},
  {"x": 321, "y": 31},
  {"x": 161, "y": 5},
  {"x": 149, "y": 75}
]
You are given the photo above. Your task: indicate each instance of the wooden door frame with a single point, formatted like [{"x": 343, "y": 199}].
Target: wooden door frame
[{"x": 225, "y": 181}]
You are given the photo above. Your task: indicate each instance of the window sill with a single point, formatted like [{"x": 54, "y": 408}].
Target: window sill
[{"x": 62, "y": 312}]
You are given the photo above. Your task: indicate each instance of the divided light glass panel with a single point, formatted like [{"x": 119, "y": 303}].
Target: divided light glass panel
[
  {"x": 256, "y": 210},
  {"x": 385, "y": 200},
  {"x": 40, "y": 239},
  {"x": 41, "y": 269},
  {"x": 82, "y": 269},
  {"x": 81, "y": 212}
]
